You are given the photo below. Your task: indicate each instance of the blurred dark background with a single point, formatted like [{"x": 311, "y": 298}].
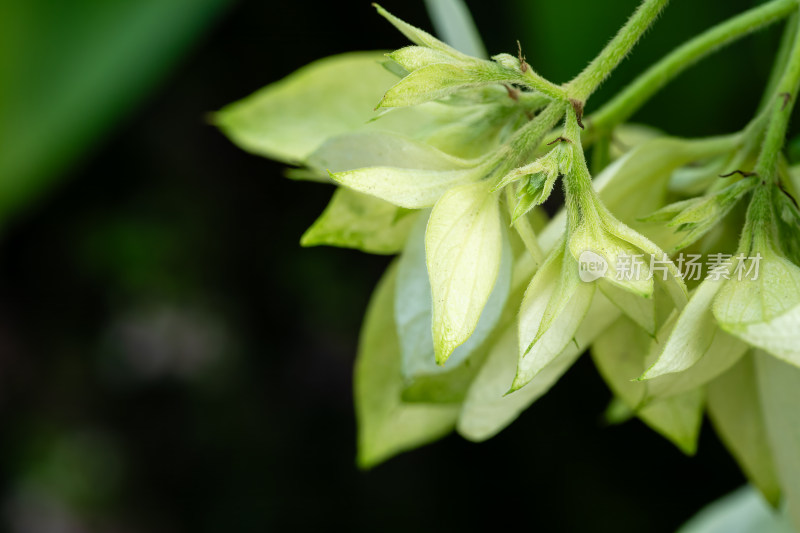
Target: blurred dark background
[{"x": 172, "y": 361}]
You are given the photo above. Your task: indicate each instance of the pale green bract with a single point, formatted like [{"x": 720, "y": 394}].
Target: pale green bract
[
  {"x": 463, "y": 244},
  {"x": 743, "y": 511},
  {"x": 641, "y": 310},
  {"x": 723, "y": 352},
  {"x": 734, "y": 408},
  {"x": 425, "y": 380},
  {"x": 779, "y": 389},
  {"x": 612, "y": 246},
  {"x": 407, "y": 187},
  {"x": 692, "y": 334},
  {"x": 695, "y": 217},
  {"x": 552, "y": 310},
  {"x": 765, "y": 312},
  {"x": 488, "y": 409},
  {"x": 676, "y": 417}
]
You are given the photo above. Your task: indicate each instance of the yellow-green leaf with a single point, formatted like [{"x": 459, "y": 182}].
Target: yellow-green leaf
[
  {"x": 289, "y": 119},
  {"x": 386, "y": 425},
  {"x": 356, "y": 220}
]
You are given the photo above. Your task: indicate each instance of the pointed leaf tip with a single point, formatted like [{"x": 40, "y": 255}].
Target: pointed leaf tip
[{"x": 463, "y": 244}]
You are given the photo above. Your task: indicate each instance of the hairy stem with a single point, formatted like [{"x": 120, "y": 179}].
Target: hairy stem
[
  {"x": 782, "y": 104},
  {"x": 538, "y": 83},
  {"x": 528, "y": 138},
  {"x": 615, "y": 51},
  {"x": 621, "y": 107},
  {"x": 787, "y": 39}
]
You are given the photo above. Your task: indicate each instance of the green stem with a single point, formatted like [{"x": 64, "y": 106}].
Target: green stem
[
  {"x": 782, "y": 104},
  {"x": 787, "y": 39},
  {"x": 615, "y": 51},
  {"x": 621, "y": 107},
  {"x": 533, "y": 101},
  {"x": 538, "y": 83},
  {"x": 578, "y": 183},
  {"x": 527, "y": 139}
]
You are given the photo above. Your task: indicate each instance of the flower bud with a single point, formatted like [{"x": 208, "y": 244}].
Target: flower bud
[
  {"x": 536, "y": 180},
  {"x": 437, "y": 70},
  {"x": 696, "y": 216},
  {"x": 760, "y": 303},
  {"x": 628, "y": 263}
]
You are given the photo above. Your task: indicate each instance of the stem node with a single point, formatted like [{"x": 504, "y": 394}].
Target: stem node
[{"x": 577, "y": 106}]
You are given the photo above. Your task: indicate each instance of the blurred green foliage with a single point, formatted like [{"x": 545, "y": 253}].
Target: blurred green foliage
[{"x": 70, "y": 69}]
